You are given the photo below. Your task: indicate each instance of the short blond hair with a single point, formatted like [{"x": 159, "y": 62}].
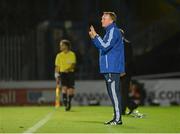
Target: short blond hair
[{"x": 112, "y": 15}]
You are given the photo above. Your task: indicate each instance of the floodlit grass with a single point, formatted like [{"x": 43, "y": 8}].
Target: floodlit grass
[{"x": 88, "y": 120}]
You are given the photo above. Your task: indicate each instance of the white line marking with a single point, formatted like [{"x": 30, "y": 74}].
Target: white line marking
[{"x": 38, "y": 124}]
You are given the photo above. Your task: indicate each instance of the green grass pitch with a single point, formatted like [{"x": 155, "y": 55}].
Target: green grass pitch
[{"x": 87, "y": 120}]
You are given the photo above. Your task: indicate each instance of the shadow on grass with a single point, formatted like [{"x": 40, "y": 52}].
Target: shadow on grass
[
  {"x": 91, "y": 122},
  {"x": 125, "y": 125}
]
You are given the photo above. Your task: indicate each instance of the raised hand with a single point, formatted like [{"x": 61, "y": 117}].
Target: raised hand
[{"x": 92, "y": 32}]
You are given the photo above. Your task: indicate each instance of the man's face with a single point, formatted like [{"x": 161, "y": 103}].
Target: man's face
[
  {"x": 106, "y": 20},
  {"x": 63, "y": 47}
]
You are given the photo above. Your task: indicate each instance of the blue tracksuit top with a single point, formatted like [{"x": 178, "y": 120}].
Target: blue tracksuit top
[{"x": 111, "y": 50}]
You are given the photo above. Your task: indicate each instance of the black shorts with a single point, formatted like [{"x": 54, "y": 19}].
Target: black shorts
[{"x": 68, "y": 79}]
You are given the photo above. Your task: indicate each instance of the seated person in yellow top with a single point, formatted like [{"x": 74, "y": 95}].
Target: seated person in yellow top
[{"x": 64, "y": 70}]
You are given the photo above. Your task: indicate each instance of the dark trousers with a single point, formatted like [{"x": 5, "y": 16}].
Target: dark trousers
[
  {"x": 125, "y": 85},
  {"x": 113, "y": 88}
]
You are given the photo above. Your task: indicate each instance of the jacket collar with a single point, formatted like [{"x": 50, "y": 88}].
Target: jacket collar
[{"x": 110, "y": 26}]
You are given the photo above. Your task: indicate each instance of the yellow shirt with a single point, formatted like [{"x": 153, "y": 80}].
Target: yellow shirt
[{"x": 64, "y": 61}]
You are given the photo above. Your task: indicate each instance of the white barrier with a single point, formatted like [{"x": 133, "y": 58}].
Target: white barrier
[
  {"x": 163, "y": 90},
  {"x": 32, "y": 92}
]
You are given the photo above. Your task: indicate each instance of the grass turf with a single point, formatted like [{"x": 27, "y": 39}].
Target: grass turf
[{"x": 88, "y": 120}]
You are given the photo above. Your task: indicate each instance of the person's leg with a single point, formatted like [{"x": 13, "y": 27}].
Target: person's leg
[
  {"x": 71, "y": 90},
  {"x": 132, "y": 104},
  {"x": 108, "y": 86},
  {"x": 64, "y": 88},
  {"x": 123, "y": 91},
  {"x": 64, "y": 95},
  {"x": 113, "y": 87},
  {"x": 116, "y": 93},
  {"x": 70, "y": 95},
  {"x": 125, "y": 85}
]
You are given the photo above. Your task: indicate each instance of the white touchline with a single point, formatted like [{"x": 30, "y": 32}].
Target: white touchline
[{"x": 38, "y": 124}]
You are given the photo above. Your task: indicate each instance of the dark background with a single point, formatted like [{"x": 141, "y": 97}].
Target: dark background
[{"x": 30, "y": 31}]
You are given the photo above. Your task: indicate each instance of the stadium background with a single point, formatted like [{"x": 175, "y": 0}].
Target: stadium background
[{"x": 30, "y": 31}]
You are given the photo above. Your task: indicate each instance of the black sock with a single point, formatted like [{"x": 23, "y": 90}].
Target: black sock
[
  {"x": 64, "y": 99},
  {"x": 70, "y": 98},
  {"x": 69, "y": 102}
]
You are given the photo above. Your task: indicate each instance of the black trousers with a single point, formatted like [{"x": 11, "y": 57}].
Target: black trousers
[
  {"x": 125, "y": 85},
  {"x": 113, "y": 88}
]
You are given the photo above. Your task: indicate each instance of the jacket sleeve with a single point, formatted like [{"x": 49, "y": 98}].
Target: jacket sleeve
[{"x": 105, "y": 45}]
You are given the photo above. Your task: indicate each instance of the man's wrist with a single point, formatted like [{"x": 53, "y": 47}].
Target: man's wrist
[{"x": 95, "y": 36}]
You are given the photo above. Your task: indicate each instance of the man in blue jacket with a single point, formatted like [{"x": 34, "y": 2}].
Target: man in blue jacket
[{"x": 111, "y": 59}]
